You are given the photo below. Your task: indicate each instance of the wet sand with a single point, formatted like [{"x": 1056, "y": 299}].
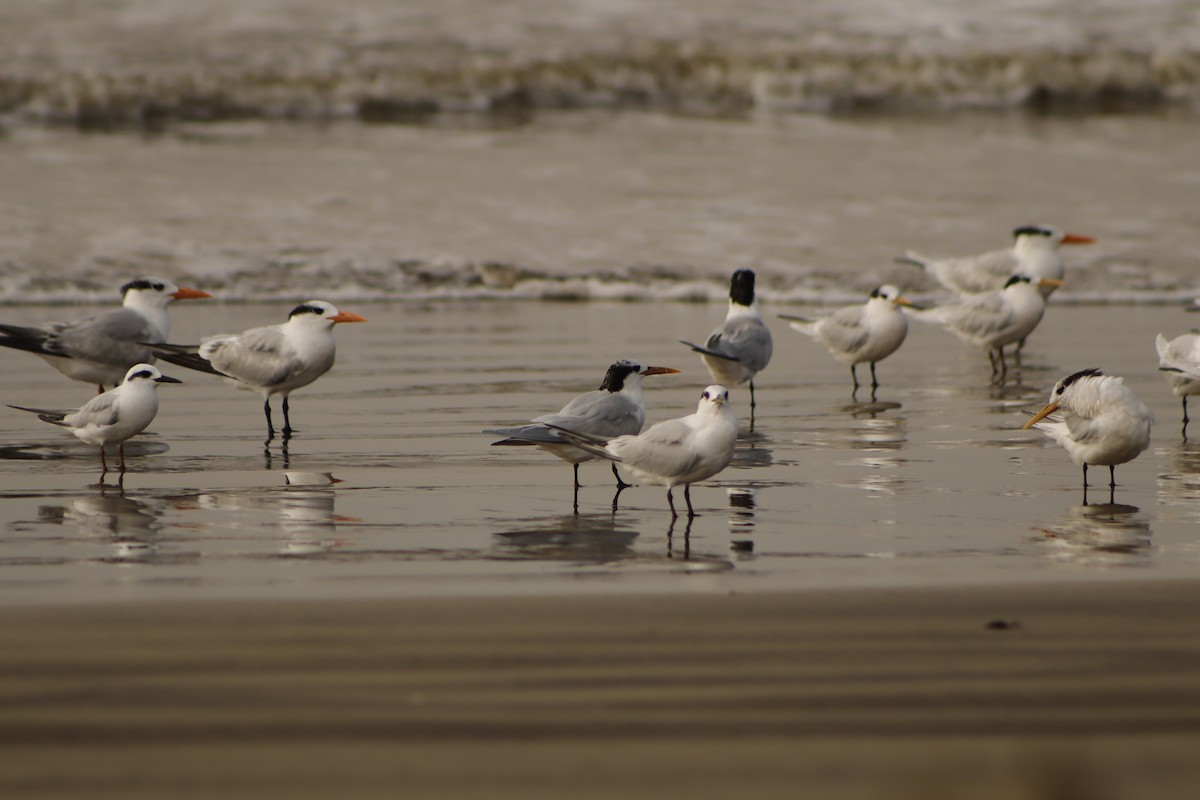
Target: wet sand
[{"x": 1018, "y": 692}]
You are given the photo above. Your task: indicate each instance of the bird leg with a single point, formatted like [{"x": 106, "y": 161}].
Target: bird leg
[
  {"x": 996, "y": 356},
  {"x": 854, "y": 377},
  {"x": 874, "y": 382},
  {"x": 103, "y": 464},
  {"x": 617, "y": 496},
  {"x": 577, "y": 484},
  {"x": 620, "y": 483},
  {"x": 752, "y": 404},
  {"x": 1085, "y": 477},
  {"x": 687, "y": 495},
  {"x": 1185, "y": 418},
  {"x": 671, "y": 503},
  {"x": 270, "y": 425},
  {"x": 121, "y": 453},
  {"x": 287, "y": 422}
]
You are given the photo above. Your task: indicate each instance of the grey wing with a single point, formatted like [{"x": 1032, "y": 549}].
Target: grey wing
[
  {"x": 983, "y": 273},
  {"x": 999, "y": 265},
  {"x": 100, "y": 410},
  {"x": 748, "y": 340},
  {"x": 259, "y": 357},
  {"x": 527, "y": 434},
  {"x": 599, "y": 413},
  {"x": 982, "y": 315},
  {"x": 662, "y": 450},
  {"x": 1083, "y": 429},
  {"x": 110, "y": 338},
  {"x": 845, "y": 330}
]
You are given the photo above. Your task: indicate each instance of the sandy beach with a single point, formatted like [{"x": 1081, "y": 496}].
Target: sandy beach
[{"x": 1018, "y": 692}]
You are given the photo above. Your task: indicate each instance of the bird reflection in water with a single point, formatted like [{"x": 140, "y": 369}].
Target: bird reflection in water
[
  {"x": 302, "y": 509},
  {"x": 742, "y": 501},
  {"x": 686, "y": 554},
  {"x": 129, "y": 525},
  {"x": 1180, "y": 484},
  {"x": 586, "y": 539},
  {"x": 1101, "y": 534}
]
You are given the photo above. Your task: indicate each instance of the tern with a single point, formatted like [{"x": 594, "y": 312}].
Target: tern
[
  {"x": 861, "y": 334},
  {"x": 114, "y": 416},
  {"x": 740, "y": 347},
  {"x": 102, "y": 348},
  {"x": 1101, "y": 422},
  {"x": 275, "y": 359},
  {"x": 676, "y": 451},
  {"x": 1034, "y": 253},
  {"x": 1180, "y": 359},
  {"x": 617, "y": 408},
  {"x": 995, "y": 319}
]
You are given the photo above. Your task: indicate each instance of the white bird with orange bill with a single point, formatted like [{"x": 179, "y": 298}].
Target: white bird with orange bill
[
  {"x": 1034, "y": 253},
  {"x": 274, "y": 359},
  {"x": 1099, "y": 422},
  {"x": 995, "y": 319},
  {"x": 101, "y": 349}
]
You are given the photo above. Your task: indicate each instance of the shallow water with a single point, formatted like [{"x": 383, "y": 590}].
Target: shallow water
[
  {"x": 594, "y": 205},
  {"x": 692, "y": 160},
  {"x": 934, "y": 485}
]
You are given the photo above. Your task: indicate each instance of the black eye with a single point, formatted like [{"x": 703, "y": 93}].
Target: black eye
[
  {"x": 704, "y": 395},
  {"x": 158, "y": 287}
]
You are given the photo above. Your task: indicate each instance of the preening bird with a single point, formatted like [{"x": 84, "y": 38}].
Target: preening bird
[
  {"x": 1034, "y": 253},
  {"x": 1180, "y": 360},
  {"x": 617, "y": 408},
  {"x": 740, "y": 347},
  {"x": 275, "y": 359},
  {"x": 994, "y": 319},
  {"x": 114, "y": 416},
  {"x": 101, "y": 349},
  {"x": 861, "y": 334},
  {"x": 675, "y": 452},
  {"x": 1100, "y": 422}
]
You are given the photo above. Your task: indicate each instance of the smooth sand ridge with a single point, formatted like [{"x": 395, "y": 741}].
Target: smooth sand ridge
[{"x": 1087, "y": 688}]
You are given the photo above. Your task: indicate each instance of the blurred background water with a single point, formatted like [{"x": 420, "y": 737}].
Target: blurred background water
[{"x": 270, "y": 149}]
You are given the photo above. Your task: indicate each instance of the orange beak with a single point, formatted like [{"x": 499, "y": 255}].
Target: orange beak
[
  {"x": 1041, "y": 415},
  {"x": 1051, "y": 282},
  {"x": 346, "y": 316},
  {"x": 190, "y": 294},
  {"x": 660, "y": 371},
  {"x": 902, "y": 301},
  {"x": 1075, "y": 238}
]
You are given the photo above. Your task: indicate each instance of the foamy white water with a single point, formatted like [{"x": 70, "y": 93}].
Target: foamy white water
[{"x": 594, "y": 205}]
